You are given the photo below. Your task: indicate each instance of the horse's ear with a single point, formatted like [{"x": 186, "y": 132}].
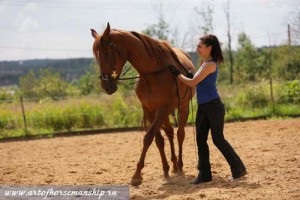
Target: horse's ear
[
  {"x": 106, "y": 32},
  {"x": 94, "y": 33}
]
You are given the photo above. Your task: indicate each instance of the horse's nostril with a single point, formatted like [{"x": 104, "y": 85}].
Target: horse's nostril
[
  {"x": 107, "y": 90},
  {"x": 110, "y": 89}
]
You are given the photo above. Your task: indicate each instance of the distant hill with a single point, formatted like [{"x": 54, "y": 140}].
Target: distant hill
[{"x": 70, "y": 69}]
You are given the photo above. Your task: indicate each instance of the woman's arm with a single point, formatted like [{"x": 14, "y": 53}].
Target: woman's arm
[{"x": 202, "y": 72}]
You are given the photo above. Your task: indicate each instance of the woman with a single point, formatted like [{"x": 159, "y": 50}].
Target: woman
[{"x": 210, "y": 113}]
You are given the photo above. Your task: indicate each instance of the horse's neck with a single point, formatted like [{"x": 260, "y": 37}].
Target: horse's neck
[{"x": 140, "y": 58}]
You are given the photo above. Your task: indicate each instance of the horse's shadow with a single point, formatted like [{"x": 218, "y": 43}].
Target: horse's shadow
[{"x": 179, "y": 185}]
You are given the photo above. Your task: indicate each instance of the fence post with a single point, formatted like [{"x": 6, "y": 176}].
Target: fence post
[
  {"x": 271, "y": 89},
  {"x": 24, "y": 116}
]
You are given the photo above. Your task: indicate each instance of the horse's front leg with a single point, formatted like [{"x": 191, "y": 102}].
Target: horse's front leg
[
  {"x": 183, "y": 115},
  {"x": 161, "y": 115},
  {"x": 137, "y": 178}
]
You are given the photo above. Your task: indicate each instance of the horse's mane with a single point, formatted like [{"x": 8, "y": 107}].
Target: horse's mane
[{"x": 156, "y": 48}]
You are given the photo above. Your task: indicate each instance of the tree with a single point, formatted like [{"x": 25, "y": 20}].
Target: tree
[
  {"x": 85, "y": 83},
  {"x": 89, "y": 82},
  {"x": 161, "y": 30},
  {"x": 230, "y": 53},
  {"x": 287, "y": 62},
  {"x": 27, "y": 84},
  {"x": 45, "y": 84},
  {"x": 247, "y": 63},
  {"x": 205, "y": 26},
  {"x": 295, "y": 27}
]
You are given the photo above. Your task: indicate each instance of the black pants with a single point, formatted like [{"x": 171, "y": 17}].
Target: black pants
[{"x": 210, "y": 116}]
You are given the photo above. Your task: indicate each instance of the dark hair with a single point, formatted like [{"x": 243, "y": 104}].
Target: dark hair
[{"x": 216, "y": 51}]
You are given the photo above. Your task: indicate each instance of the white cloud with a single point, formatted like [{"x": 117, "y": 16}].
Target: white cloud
[
  {"x": 26, "y": 19},
  {"x": 29, "y": 8},
  {"x": 28, "y": 24},
  {"x": 41, "y": 29}
]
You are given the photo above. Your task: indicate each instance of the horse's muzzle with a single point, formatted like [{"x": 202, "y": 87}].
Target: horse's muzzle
[{"x": 109, "y": 87}]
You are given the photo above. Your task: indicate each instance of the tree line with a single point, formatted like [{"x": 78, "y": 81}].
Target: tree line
[
  {"x": 247, "y": 63},
  {"x": 280, "y": 63}
]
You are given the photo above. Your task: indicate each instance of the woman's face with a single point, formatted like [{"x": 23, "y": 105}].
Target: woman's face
[{"x": 203, "y": 50}]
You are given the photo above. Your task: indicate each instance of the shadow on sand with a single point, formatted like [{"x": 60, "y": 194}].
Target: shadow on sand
[{"x": 182, "y": 185}]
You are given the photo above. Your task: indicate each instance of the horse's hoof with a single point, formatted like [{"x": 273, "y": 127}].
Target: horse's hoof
[
  {"x": 180, "y": 173},
  {"x": 136, "y": 181},
  {"x": 166, "y": 175},
  {"x": 174, "y": 170},
  {"x": 168, "y": 180}
]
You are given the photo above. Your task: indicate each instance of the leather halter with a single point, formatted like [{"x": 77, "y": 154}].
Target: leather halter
[{"x": 113, "y": 75}]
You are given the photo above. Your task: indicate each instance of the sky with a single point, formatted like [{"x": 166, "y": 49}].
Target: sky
[{"x": 59, "y": 29}]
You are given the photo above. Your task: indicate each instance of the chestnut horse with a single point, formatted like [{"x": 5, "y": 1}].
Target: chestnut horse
[{"x": 157, "y": 89}]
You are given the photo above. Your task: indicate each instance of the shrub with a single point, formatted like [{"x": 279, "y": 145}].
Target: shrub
[
  {"x": 255, "y": 96},
  {"x": 290, "y": 92},
  {"x": 43, "y": 85},
  {"x": 4, "y": 120},
  {"x": 6, "y": 95}
]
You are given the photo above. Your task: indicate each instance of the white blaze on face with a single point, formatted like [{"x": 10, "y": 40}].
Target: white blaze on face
[{"x": 114, "y": 74}]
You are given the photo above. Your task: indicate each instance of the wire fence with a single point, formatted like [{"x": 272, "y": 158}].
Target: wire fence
[
  {"x": 30, "y": 117},
  {"x": 25, "y": 117}
]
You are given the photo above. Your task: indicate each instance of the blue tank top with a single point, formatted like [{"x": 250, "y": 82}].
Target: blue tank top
[{"x": 207, "y": 89}]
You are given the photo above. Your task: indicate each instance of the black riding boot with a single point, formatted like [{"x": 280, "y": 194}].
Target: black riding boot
[
  {"x": 204, "y": 170},
  {"x": 203, "y": 177},
  {"x": 239, "y": 171}
]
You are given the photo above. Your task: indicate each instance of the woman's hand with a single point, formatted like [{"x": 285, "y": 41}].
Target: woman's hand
[{"x": 174, "y": 70}]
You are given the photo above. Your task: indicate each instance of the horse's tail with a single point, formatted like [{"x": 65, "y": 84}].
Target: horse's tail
[{"x": 144, "y": 124}]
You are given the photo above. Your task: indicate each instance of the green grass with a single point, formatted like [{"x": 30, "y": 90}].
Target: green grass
[
  {"x": 69, "y": 114},
  {"x": 124, "y": 110}
]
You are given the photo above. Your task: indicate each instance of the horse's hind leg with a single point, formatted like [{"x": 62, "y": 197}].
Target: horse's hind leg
[
  {"x": 160, "y": 143},
  {"x": 170, "y": 134},
  {"x": 161, "y": 116}
]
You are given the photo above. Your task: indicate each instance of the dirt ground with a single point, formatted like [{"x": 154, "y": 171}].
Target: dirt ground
[{"x": 270, "y": 150}]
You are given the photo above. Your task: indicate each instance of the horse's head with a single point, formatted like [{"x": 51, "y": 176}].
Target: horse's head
[{"x": 110, "y": 59}]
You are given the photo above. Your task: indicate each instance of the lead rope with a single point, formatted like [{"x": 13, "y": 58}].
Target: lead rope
[
  {"x": 127, "y": 78},
  {"x": 192, "y": 111},
  {"x": 194, "y": 124},
  {"x": 178, "y": 96},
  {"x": 193, "y": 121}
]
